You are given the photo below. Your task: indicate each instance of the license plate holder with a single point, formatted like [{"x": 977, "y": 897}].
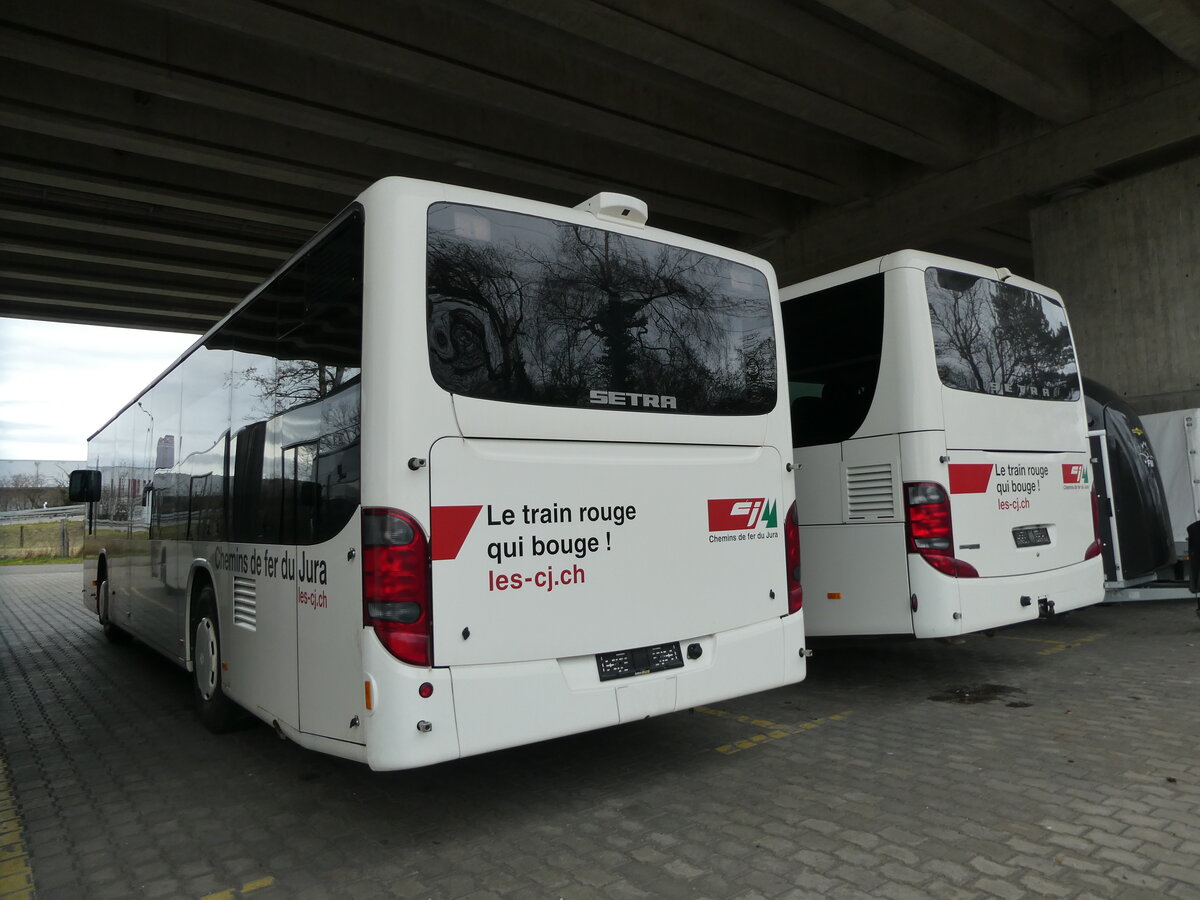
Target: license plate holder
[
  {"x": 1033, "y": 536},
  {"x": 639, "y": 661}
]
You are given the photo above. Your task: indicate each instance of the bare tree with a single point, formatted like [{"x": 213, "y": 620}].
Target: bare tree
[
  {"x": 545, "y": 314},
  {"x": 988, "y": 336},
  {"x": 22, "y": 490}
]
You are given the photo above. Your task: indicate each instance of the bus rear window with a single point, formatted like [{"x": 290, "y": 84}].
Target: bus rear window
[
  {"x": 996, "y": 338},
  {"x": 532, "y": 310}
]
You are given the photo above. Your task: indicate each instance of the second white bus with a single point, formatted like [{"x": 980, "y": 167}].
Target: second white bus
[
  {"x": 943, "y": 477},
  {"x": 469, "y": 471}
]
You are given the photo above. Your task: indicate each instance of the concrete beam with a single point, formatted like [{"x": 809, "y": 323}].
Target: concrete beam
[
  {"x": 84, "y": 225},
  {"x": 17, "y": 305},
  {"x": 85, "y": 256},
  {"x": 70, "y": 160},
  {"x": 154, "y": 195},
  {"x": 536, "y": 103},
  {"x": 43, "y": 120},
  {"x": 740, "y": 208},
  {"x": 52, "y": 284},
  {"x": 1173, "y": 23},
  {"x": 1019, "y": 65},
  {"x": 681, "y": 37},
  {"x": 991, "y": 188}
]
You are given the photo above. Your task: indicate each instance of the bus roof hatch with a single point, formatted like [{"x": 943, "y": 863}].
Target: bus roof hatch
[{"x": 611, "y": 207}]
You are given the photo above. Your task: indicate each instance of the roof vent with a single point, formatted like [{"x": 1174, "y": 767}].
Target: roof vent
[
  {"x": 1004, "y": 274},
  {"x": 610, "y": 207}
]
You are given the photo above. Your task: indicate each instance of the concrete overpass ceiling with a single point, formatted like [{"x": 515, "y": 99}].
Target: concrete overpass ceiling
[{"x": 159, "y": 157}]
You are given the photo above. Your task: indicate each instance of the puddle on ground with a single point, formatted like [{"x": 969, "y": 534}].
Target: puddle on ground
[{"x": 981, "y": 693}]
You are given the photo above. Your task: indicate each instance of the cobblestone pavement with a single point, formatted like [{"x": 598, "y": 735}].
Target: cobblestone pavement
[{"x": 1052, "y": 760}]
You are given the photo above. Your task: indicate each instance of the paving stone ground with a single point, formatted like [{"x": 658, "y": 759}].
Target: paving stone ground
[{"x": 1076, "y": 774}]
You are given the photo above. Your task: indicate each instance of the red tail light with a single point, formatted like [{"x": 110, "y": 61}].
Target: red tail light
[
  {"x": 791, "y": 545},
  {"x": 929, "y": 529},
  {"x": 1095, "y": 547},
  {"x": 396, "y": 599}
]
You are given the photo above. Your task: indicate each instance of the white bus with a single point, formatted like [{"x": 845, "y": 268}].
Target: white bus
[
  {"x": 941, "y": 452},
  {"x": 468, "y": 472}
]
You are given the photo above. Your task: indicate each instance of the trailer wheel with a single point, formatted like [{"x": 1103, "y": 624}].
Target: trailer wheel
[
  {"x": 216, "y": 711},
  {"x": 112, "y": 631}
]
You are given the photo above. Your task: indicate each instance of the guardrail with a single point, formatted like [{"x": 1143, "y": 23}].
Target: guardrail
[{"x": 9, "y": 516}]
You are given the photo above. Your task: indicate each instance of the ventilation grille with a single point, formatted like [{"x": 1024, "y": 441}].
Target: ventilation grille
[
  {"x": 870, "y": 492},
  {"x": 245, "y": 602}
]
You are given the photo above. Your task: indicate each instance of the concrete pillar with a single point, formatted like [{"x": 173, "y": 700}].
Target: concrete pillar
[{"x": 1126, "y": 258}]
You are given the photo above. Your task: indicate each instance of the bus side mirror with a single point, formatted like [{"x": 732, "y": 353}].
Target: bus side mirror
[{"x": 84, "y": 486}]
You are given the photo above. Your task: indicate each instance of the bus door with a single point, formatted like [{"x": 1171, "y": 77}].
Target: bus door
[{"x": 328, "y": 592}]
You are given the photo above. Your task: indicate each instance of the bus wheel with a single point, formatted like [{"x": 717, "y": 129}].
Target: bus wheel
[
  {"x": 112, "y": 631},
  {"x": 217, "y": 712}
]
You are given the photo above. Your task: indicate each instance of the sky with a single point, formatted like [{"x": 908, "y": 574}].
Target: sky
[{"x": 59, "y": 383}]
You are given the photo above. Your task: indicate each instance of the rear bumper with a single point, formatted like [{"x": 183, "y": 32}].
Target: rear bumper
[
  {"x": 477, "y": 709},
  {"x": 985, "y": 603}
]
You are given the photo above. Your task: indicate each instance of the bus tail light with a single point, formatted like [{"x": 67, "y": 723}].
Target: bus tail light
[
  {"x": 791, "y": 546},
  {"x": 1095, "y": 547},
  {"x": 396, "y": 599},
  {"x": 929, "y": 530}
]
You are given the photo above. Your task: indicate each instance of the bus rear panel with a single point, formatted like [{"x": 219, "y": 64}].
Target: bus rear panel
[{"x": 943, "y": 476}]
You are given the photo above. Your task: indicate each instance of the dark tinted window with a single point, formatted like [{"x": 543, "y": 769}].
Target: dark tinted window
[
  {"x": 296, "y": 376},
  {"x": 834, "y": 339},
  {"x": 996, "y": 338},
  {"x": 532, "y": 310}
]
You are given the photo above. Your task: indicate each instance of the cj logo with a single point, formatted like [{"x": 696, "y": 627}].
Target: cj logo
[
  {"x": 748, "y": 508},
  {"x": 1075, "y": 473},
  {"x": 742, "y": 514}
]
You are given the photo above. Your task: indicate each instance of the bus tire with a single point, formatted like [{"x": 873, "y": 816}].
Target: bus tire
[
  {"x": 113, "y": 632},
  {"x": 216, "y": 711}
]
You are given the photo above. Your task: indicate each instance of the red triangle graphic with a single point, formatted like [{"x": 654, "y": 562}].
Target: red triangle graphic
[{"x": 448, "y": 529}]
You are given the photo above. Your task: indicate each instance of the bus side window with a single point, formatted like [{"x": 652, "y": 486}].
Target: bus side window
[
  {"x": 834, "y": 341},
  {"x": 300, "y": 500},
  {"x": 247, "y": 459},
  {"x": 296, "y": 373}
]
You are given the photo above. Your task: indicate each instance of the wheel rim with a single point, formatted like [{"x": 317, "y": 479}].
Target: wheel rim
[{"x": 206, "y": 658}]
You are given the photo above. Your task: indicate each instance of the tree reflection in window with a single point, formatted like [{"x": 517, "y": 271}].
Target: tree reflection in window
[
  {"x": 296, "y": 398},
  {"x": 996, "y": 338},
  {"x": 536, "y": 311}
]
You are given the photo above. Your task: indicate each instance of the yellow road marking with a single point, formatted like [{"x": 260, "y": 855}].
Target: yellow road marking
[
  {"x": 776, "y": 730},
  {"x": 247, "y": 888},
  {"x": 1056, "y": 646},
  {"x": 16, "y": 877}
]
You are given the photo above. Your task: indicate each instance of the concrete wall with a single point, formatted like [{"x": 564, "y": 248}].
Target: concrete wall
[{"x": 1126, "y": 259}]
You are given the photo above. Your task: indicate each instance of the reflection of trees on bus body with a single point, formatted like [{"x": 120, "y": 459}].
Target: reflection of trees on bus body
[
  {"x": 284, "y": 384},
  {"x": 991, "y": 337},
  {"x": 542, "y": 311}
]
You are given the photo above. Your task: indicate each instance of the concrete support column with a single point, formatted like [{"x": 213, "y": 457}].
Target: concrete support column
[{"x": 1126, "y": 259}]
